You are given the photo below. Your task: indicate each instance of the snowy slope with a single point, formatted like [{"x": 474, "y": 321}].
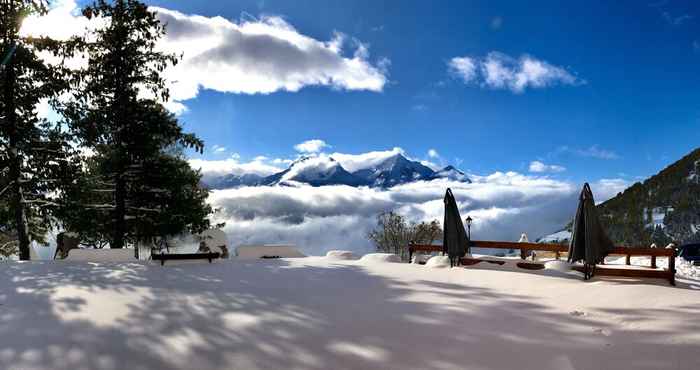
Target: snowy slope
[
  {"x": 395, "y": 170},
  {"x": 453, "y": 174},
  {"x": 558, "y": 237},
  {"x": 315, "y": 171}
]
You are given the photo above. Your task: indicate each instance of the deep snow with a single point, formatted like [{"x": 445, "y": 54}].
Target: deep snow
[{"x": 323, "y": 313}]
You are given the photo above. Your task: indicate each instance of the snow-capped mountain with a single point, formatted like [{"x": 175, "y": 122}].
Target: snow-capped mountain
[
  {"x": 395, "y": 170},
  {"x": 453, "y": 174},
  {"x": 315, "y": 171},
  {"x": 325, "y": 170}
]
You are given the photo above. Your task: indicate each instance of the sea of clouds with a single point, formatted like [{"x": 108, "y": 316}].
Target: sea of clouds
[{"x": 317, "y": 219}]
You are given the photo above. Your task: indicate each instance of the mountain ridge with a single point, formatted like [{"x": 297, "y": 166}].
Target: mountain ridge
[{"x": 320, "y": 171}]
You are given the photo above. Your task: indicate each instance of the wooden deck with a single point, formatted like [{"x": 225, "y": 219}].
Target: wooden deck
[{"x": 603, "y": 270}]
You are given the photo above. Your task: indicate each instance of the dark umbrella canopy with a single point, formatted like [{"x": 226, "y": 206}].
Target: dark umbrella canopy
[
  {"x": 589, "y": 243},
  {"x": 455, "y": 242}
]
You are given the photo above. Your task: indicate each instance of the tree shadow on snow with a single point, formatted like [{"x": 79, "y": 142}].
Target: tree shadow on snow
[{"x": 277, "y": 315}]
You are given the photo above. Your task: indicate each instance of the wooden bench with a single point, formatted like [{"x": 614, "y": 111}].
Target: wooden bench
[
  {"x": 619, "y": 270},
  {"x": 641, "y": 271},
  {"x": 413, "y": 248},
  {"x": 162, "y": 257}
]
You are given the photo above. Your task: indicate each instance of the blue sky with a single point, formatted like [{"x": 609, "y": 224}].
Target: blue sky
[
  {"x": 531, "y": 99},
  {"x": 636, "y": 98}
]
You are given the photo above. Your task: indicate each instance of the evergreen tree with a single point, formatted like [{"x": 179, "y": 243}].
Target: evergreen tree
[
  {"x": 137, "y": 186},
  {"x": 34, "y": 156}
]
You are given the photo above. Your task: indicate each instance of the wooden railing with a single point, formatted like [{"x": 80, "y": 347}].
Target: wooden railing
[{"x": 524, "y": 248}]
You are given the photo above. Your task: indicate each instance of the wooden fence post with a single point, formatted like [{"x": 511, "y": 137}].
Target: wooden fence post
[{"x": 672, "y": 267}]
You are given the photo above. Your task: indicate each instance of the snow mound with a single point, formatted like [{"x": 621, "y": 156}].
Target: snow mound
[
  {"x": 438, "y": 262},
  {"x": 420, "y": 258},
  {"x": 562, "y": 266},
  {"x": 380, "y": 258},
  {"x": 101, "y": 255},
  {"x": 260, "y": 251},
  {"x": 341, "y": 255}
]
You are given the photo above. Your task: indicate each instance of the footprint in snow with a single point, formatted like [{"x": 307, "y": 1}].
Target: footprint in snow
[{"x": 602, "y": 331}]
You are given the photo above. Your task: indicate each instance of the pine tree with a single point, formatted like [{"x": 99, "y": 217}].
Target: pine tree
[
  {"x": 34, "y": 155},
  {"x": 137, "y": 186}
]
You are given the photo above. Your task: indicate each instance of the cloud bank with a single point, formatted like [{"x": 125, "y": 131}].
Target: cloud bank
[
  {"x": 500, "y": 71},
  {"x": 212, "y": 169},
  {"x": 317, "y": 219}
]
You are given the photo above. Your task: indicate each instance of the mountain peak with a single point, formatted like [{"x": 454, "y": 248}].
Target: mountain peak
[
  {"x": 452, "y": 173},
  {"x": 325, "y": 170}
]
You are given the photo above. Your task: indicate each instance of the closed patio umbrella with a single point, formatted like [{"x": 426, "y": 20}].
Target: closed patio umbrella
[
  {"x": 589, "y": 242},
  {"x": 455, "y": 243}
]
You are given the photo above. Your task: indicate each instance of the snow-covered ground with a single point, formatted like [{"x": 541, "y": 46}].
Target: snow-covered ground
[
  {"x": 328, "y": 313},
  {"x": 557, "y": 237}
]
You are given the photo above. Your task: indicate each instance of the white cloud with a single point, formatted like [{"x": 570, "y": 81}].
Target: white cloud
[
  {"x": 593, "y": 152},
  {"x": 354, "y": 162},
  {"x": 218, "y": 149},
  {"x": 261, "y": 56},
  {"x": 605, "y": 189},
  {"x": 311, "y": 146},
  {"x": 539, "y": 167},
  {"x": 212, "y": 169},
  {"x": 251, "y": 56},
  {"x": 61, "y": 23},
  {"x": 676, "y": 20},
  {"x": 317, "y": 219},
  {"x": 432, "y": 153},
  {"x": 463, "y": 67},
  {"x": 500, "y": 71},
  {"x": 282, "y": 161}
]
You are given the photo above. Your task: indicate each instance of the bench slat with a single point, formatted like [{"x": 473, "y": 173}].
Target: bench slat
[{"x": 162, "y": 257}]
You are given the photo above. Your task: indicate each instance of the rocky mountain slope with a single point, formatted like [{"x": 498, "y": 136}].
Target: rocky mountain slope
[{"x": 664, "y": 208}]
